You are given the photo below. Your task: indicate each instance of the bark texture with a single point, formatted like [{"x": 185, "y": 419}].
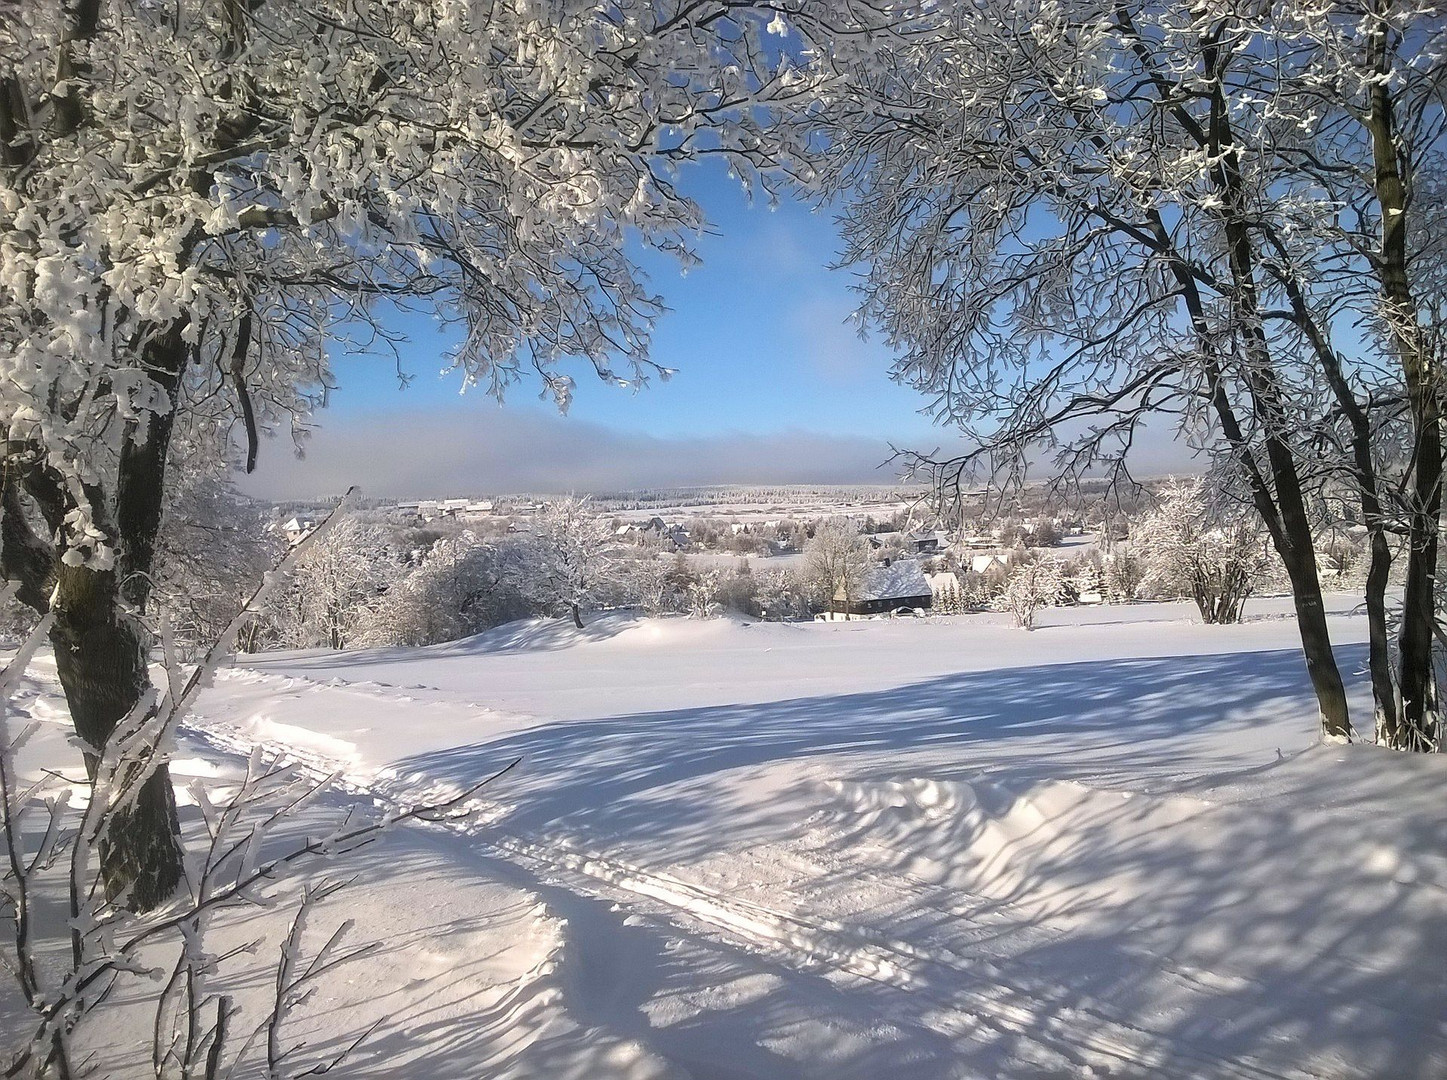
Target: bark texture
[{"x": 1416, "y": 725}]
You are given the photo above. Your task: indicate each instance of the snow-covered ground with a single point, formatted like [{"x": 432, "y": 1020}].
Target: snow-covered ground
[{"x": 892, "y": 849}]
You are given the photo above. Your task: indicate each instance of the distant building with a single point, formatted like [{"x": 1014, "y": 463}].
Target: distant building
[
  {"x": 654, "y": 526},
  {"x": 926, "y": 543},
  {"x": 431, "y": 509},
  {"x": 944, "y": 585},
  {"x": 889, "y": 586},
  {"x": 297, "y": 529},
  {"x": 982, "y": 564}
]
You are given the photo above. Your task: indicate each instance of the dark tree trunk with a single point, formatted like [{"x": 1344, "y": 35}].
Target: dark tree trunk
[
  {"x": 100, "y": 656},
  {"x": 1279, "y": 499},
  {"x": 1297, "y": 549},
  {"x": 1220, "y": 601},
  {"x": 1321, "y": 665},
  {"x": 1415, "y": 726},
  {"x": 1364, "y": 472},
  {"x": 1282, "y": 509},
  {"x": 101, "y": 646},
  {"x": 577, "y": 615},
  {"x": 1379, "y": 645},
  {"x": 1292, "y": 536}
]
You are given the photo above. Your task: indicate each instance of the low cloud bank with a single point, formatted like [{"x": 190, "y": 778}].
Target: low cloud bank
[{"x": 436, "y": 453}]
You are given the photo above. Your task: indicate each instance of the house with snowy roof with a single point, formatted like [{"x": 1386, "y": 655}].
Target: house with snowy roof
[
  {"x": 928, "y": 542},
  {"x": 298, "y": 529},
  {"x": 983, "y": 564},
  {"x": 889, "y": 586},
  {"x": 944, "y": 583}
]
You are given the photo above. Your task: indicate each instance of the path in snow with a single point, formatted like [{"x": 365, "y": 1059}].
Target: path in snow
[{"x": 915, "y": 849}]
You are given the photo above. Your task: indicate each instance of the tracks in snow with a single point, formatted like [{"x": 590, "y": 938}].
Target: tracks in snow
[
  {"x": 951, "y": 993},
  {"x": 1080, "y": 1034}
]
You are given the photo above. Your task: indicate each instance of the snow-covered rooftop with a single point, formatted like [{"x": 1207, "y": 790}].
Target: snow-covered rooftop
[{"x": 899, "y": 579}]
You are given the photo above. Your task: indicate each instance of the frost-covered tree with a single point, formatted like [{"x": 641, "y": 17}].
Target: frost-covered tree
[
  {"x": 341, "y": 578},
  {"x": 1086, "y": 577},
  {"x": 462, "y": 586},
  {"x": 836, "y": 559},
  {"x": 1082, "y": 220},
  {"x": 781, "y": 594},
  {"x": 739, "y": 590},
  {"x": 705, "y": 595},
  {"x": 214, "y": 546},
  {"x": 653, "y": 584},
  {"x": 572, "y": 555},
  {"x": 978, "y": 590},
  {"x": 1122, "y": 572},
  {"x": 197, "y": 197},
  {"x": 1031, "y": 584},
  {"x": 1188, "y": 550},
  {"x": 949, "y": 598},
  {"x": 1367, "y": 85}
]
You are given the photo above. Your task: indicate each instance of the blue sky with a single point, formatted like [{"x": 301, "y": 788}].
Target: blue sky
[{"x": 765, "y": 355}]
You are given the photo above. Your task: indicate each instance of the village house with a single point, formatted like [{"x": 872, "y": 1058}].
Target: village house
[
  {"x": 298, "y": 529},
  {"x": 654, "y": 526},
  {"x": 430, "y": 509},
  {"x": 944, "y": 587},
  {"x": 889, "y": 586},
  {"x": 927, "y": 543},
  {"x": 983, "y": 564}
]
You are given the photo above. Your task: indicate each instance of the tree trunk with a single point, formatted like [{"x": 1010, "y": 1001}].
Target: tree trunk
[
  {"x": 1379, "y": 647},
  {"x": 1292, "y": 536},
  {"x": 1416, "y": 724},
  {"x": 101, "y": 646},
  {"x": 1279, "y": 501},
  {"x": 577, "y": 615},
  {"x": 1364, "y": 471},
  {"x": 100, "y": 656},
  {"x": 1202, "y": 596},
  {"x": 1321, "y": 665}
]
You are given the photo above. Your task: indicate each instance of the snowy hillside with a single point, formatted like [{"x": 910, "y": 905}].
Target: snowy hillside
[{"x": 881, "y": 849}]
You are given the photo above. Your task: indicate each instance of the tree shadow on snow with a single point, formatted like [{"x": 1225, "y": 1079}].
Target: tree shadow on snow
[
  {"x": 1310, "y": 976},
  {"x": 1162, "y": 716},
  {"x": 1242, "y": 937}
]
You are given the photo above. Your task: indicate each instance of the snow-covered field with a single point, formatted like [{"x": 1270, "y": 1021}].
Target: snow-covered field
[{"x": 892, "y": 849}]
